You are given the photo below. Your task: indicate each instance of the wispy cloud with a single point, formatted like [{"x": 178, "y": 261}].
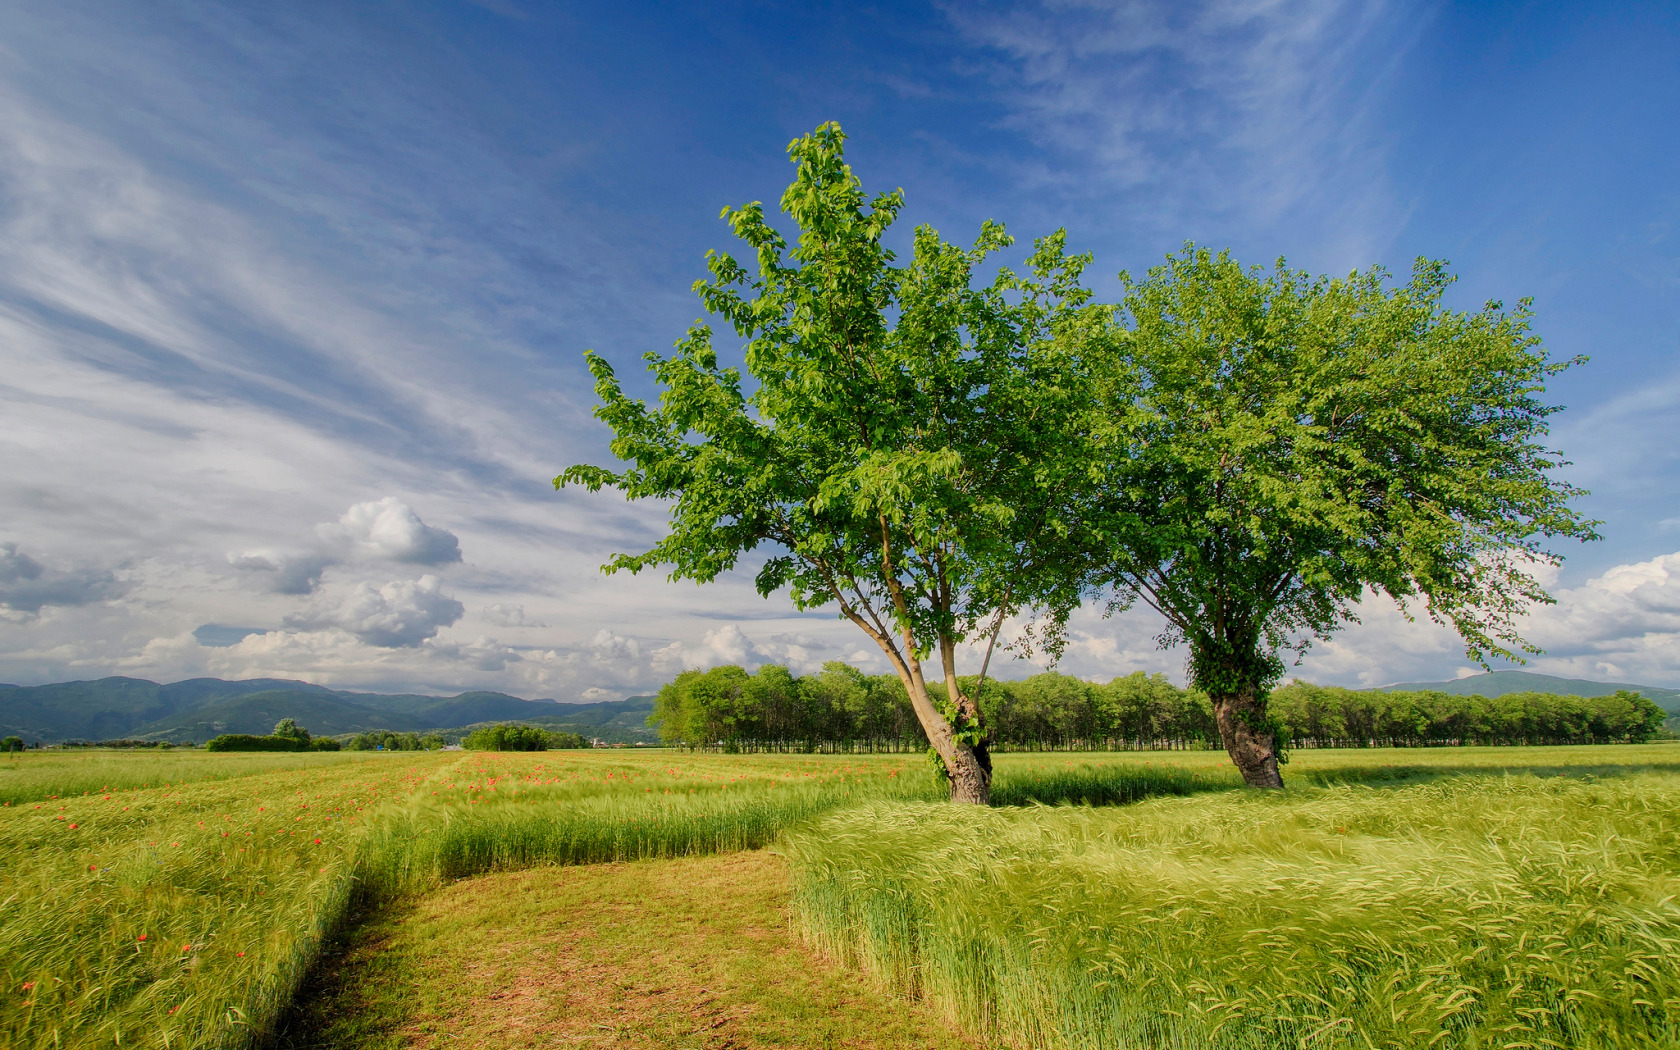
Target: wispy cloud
[{"x": 1220, "y": 117}]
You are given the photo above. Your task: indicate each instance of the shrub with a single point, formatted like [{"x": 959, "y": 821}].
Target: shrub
[
  {"x": 250, "y": 742},
  {"x": 388, "y": 740},
  {"x": 323, "y": 743},
  {"x": 509, "y": 737}
]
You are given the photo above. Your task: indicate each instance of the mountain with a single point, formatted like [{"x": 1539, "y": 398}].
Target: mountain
[
  {"x": 199, "y": 708},
  {"x": 465, "y": 709},
  {"x": 612, "y": 720},
  {"x": 1498, "y": 683},
  {"x": 323, "y": 714},
  {"x": 116, "y": 707}
]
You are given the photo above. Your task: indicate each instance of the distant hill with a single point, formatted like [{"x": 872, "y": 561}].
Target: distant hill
[
  {"x": 1498, "y": 683},
  {"x": 199, "y": 708},
  {"x": 323, "y": 714}
]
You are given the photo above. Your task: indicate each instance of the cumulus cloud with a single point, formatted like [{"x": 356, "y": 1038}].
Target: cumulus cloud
[
  {"x": 801, "y": 652},
  {"x": 26, "y": 586},
  {"x": 400, "y": 614},
  {"x": 1625, "y": 623},
  {"x": 386, "y": 529},
  {"x": 482, "y": 654},
  {"x": 613, "y": 648},
  {"x": 285, "y": 573},
  {"x": 389, "y": 528},
  {"x": 506, "y": 615}
]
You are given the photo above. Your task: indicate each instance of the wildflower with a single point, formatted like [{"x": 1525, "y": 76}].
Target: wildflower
[
  {"x": 28, "y": 985},
  {"x": 317, "y": 842},
  {"x": 141, "y": 937},
  {"x": 242, "y": 955},
  {"x": 73, "y": 827},
  {"x": 186, "y": 947}
]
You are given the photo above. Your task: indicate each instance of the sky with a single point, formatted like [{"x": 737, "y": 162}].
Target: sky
[{"x": 294, "y": 297}]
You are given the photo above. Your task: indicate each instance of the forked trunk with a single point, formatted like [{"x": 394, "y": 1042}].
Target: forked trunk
[{"x": 1247, "y": 735}]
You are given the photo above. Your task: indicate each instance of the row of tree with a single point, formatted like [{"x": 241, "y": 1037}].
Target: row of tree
[
  {"x": 508, "y": 736},
  {"x": 390, "y": 740},
  {"x": 286, "y": 736},
  {"x": 841, "y": 708},
  {"x": 935, "y": 448}
]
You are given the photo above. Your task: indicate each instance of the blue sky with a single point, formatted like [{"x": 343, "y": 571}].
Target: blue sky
[{"x": 293, "y": 298}]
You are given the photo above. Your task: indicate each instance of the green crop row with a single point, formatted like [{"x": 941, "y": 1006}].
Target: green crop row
[
  {"x": 187, "y": 912},
  {"x": 187, "y": 915},
  {"x": 1484, "y": 910}
]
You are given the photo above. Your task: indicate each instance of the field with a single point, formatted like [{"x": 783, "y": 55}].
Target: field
[{"x": 1500, "y": 897}]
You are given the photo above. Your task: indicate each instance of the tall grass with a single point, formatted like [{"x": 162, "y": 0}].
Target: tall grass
[
  {"x": 187, "y": 916},
  {"x": 35, "y": 776},
  {"x": 1472, "y": 911}
]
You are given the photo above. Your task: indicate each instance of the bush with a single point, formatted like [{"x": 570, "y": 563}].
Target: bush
[
  {"x": 520, "y": 738},
  {"x": 249, "y": 742},
  {"x": 323, "y": 743},
  {"x": 387, "y": 740}
]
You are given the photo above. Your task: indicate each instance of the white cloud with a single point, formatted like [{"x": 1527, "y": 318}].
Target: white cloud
[
  {"x": 506, "y": 614},
  {"x": 1240, "y": 113},
  {"x": 389, "y": 528},
  {"x": 399, "y": 614}
]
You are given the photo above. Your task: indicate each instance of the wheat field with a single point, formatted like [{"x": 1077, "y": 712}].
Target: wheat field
[{"x": 1462, "y": 897}]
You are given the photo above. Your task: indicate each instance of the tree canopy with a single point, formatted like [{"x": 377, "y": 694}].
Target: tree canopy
[
  {"x": 896, "y": 452},
  {"x": 1248, "y": 452},
  {"x": 1279, "y": 446}
]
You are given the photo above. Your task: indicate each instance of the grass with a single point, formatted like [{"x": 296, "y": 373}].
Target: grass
[
  {"x": 35, "y": 776},
  {"x": 187, "y": 912},
  {"x": 689, "y": 953},
  {"x": 187, "y": 915},
  {"x": 1451, "y": 903}
]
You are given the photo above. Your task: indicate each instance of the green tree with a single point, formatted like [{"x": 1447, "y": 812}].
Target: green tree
[
  {"x": 508, "y": 737},
  {"x": 1278, "y": 446},
  {"x": 11, "y": 744},
  {"x": 897, "y": 451},
  {"x": 290, "y": 730}
]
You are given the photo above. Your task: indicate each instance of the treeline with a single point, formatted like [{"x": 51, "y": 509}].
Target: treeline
[
  {"x": 514, "y": 737},
  {"x": 842, "y": 709},
  {"x": 162, "y": 745},
  {"x": 389, "y": 740},
  {"x": 287, "y": 736}
]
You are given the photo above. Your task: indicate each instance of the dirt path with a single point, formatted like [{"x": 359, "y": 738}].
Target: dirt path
[{"x": 687, "y": 953}]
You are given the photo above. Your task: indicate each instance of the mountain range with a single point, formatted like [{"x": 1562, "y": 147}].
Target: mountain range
[
  {"x": 1499, "y": 683},
  {"x": 200, "y": 708}
]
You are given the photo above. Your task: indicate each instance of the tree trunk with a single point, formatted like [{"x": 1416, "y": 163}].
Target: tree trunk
[
  {"x": 1243, "y": 729},
  {"x": 971, "y": 774}
]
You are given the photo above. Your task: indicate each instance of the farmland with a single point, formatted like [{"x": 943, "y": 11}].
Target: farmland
[{"x": 1449, "y": 897}]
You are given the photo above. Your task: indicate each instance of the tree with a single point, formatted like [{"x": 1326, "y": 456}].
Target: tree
[
  {"x": 1279, "y": 446},
  {"x": 512, "y": 737},
  {"x": 896, "y": 451},
  {"x": 290, "y": 730},
  {"x": 11, "y": 744}
]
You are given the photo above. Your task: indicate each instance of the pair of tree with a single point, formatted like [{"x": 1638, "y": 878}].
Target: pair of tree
[{"x": 1245, "y": 452}]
